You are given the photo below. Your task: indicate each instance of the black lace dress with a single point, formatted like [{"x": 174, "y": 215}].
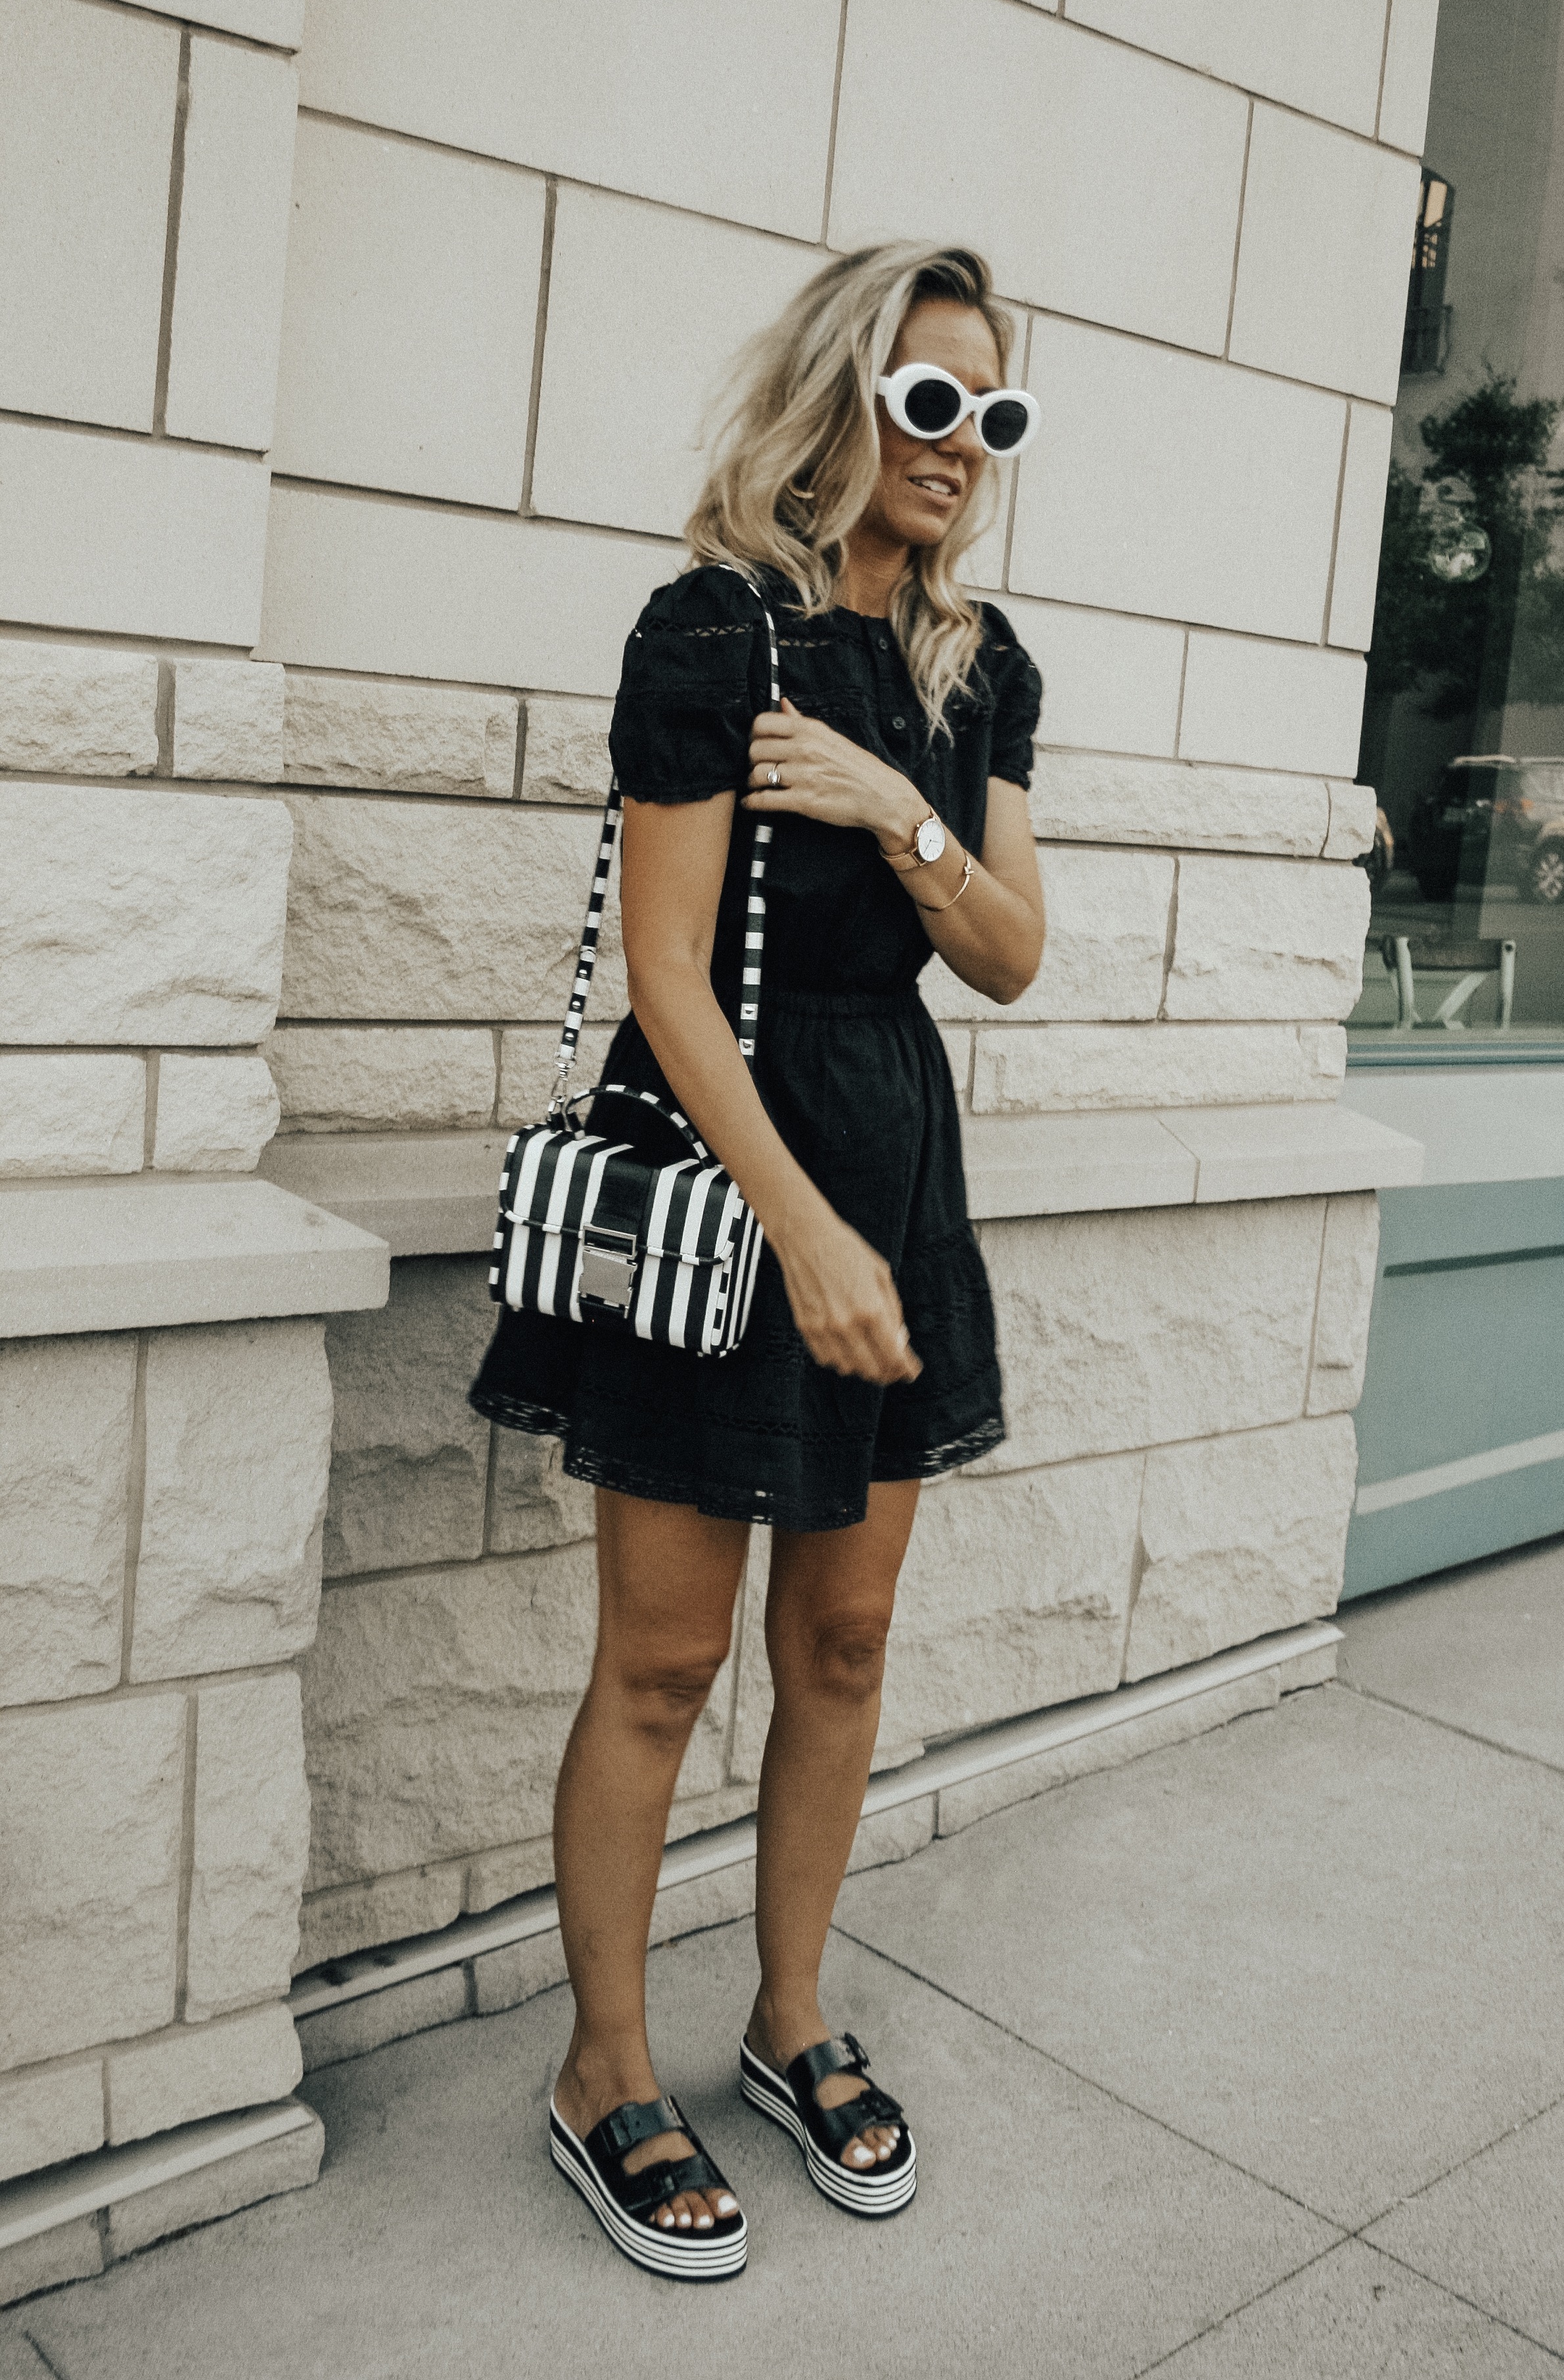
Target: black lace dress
[{"x": 849, "y": 1065}]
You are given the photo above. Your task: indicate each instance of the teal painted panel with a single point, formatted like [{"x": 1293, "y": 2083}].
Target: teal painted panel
[{"x": 1411, "y": 1540}]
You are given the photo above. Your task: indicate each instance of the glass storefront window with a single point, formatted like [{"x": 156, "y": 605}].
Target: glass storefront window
[{"x": 1463, "y": 724}]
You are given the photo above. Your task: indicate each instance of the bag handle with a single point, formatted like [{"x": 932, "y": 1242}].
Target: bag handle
[
  {"x": 755, "y": 915},
  {"x": 681, "y": 1124}
]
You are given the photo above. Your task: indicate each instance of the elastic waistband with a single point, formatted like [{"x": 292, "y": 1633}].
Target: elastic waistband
[{"x": 784, "y": 1002}]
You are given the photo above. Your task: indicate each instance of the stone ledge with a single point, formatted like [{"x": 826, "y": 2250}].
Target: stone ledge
[
  {"x": 146, "y": 1254},
  {"x": 433, "y": 1194}
]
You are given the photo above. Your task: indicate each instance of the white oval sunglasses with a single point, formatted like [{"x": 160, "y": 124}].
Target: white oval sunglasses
[{"x": 928, "y": 402}]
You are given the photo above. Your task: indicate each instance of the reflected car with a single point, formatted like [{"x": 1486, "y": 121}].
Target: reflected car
[{"x": 1492, "y": 818}]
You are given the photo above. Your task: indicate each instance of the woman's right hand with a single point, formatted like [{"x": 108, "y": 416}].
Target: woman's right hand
[{"x": 844, "y": 1302}]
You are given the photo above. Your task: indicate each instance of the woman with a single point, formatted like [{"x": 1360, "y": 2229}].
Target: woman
[{"x": 853, "y": 474}]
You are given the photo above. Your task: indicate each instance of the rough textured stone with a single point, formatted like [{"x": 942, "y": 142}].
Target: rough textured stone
[
  {"x": 238, "y": 1439},
  {"x": 71, "y": 1115},
  {"x": 502, "y": 1874},
  {"x": 958, "y": 1049},
  {"x": 1061, "y": 1069},
  {"x": 200, "y": 2069},
  {"x": 140, "y": 916},
  {"x": 1107, "y": 938},
  {"x": 533, "y": 1502},
  {"x": 527, "y": 1067},
  {"x": 387, "y": 1909},
  {"x": 980, "y": 1797},
  {"x": 290, "y": 2163},
  {"x": 1268, "y": 938},
  {"x": 78, "y": 710},
  {"x": 228, "y": 721},
  {"x": 66, "y": 1408},
  {"x": 215, "y": 1115},
  {"x": 1346, "y": 1293},
  {"x": 356, "y": 2026},
  {"x": 90, "y": 1877},
  {"x": 566, "y": 756},
  {"x": 893, "y": 1835},
  {"x": 400, "y": 739},
  {"x": 1242, "y": 1535},
  {"x": 714, "y": 1900},
  {"x": 1099, "y": 797},
  {"x": 502, "y": 1979},
  {"x": 251, "y": 1837},
  {"x": 409, "y": 1456},
  {"x": 437, "y": 1707},
  {"x": 382, "y": 1077},
  {"x": 71, "y": 2251},
  {"x": 1352, "y": 820},
  {"x": 1125, "y": 1329},
  {"x": 49, "y": 2116},
  {"x": 395, "y": 909}
]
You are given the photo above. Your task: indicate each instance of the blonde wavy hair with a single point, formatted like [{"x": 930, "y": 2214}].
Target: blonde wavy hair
[{"x": 795, "y": 451}]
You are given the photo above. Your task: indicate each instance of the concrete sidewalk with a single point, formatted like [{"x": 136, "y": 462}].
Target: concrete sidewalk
[{"x": 1244, "y": 2059}]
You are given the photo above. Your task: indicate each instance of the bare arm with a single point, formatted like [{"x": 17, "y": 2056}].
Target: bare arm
[{"x": 840, "y": 1290}]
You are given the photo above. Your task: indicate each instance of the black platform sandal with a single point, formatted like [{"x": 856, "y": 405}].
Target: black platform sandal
[
  {"x": 823, "y": 2132},
  {"x": 625, "y": 2203}
]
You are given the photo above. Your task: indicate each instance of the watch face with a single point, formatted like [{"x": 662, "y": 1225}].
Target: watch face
[{"x": 930, "y": 840}]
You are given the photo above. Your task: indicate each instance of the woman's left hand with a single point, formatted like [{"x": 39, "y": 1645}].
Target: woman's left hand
[{"x": 802, "y": 765}]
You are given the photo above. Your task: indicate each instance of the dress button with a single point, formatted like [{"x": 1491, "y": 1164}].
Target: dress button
[
  {"x": 884, "y": 644},
  {"x": 898, "y": 721}
]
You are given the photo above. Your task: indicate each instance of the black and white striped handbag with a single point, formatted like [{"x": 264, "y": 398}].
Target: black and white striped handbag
[{"x": 591, "y": 1230}]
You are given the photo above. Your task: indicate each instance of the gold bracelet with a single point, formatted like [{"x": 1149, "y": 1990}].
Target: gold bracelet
[{"x": 933, "y": 908}]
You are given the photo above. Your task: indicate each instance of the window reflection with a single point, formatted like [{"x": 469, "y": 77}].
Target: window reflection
[{"x": 1463, "y": 725}]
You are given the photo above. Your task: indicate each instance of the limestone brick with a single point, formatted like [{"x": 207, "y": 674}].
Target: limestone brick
[
  {"x": 1107, "y": 682},
  {"x": 438, "y": 1703},
  {"x": 1163, "y": 495},
  {"x": 51, "y": 2114},
  {"x": 279, "y": 22},
  {"x": 533, "y": 1502},
  {"x": 199, "y": 2069},
  {"x": 1120, "y": 1330},
  {"x": 1099, "y": 797},
  {"x": 1356, "y": 580},
  {"x": 69, "y": 2251},
  {"x": 400, "y": 909},
  {"x": 354, "y": 2027},
  {"x": 1318, "y": 290},
  {"x": 92, "y": 1798},
  {"x": 663, "y": 104},
  {"x": 238, "y": 1433},
  {"x": 958, "y": 1048},
  {"x": 1014, "y": 1595},
  {"x": 1348, "y": 1267},
  {"x": 71, "y": 1115},
  {"x": 1129, "y": 220},
  {"x": 715, "y": 1898},
  {"x": 140, "y": 537},
  {"x": 383, "y": 1908},
  {"x": 234, "y": 218},
  {"x": 1268, "y": 706},
  {"x": 403, "y": 365},
  {"x": 66, "y": 1408},
  {"x": 508, "y": 1977},
  {"x": 382, "y": 1077},
  {"x": 566, "y": 756},
  {"x": 1107, "y": 938},
  {"x": 409, "y": 1456},
  {"x": 215, "y": 1115},
  {"x": 645, "y": 308},
  {"x": 400, "y": 739},
  {"x": 1352, "y": 820},
  {"x": 1409, "y": 65},
  {"x": 419, "y": 591},
  {"x": 1243, "y": 1536},
  {"x": 290, "y": 2162},
  {"x": 501, "y": 1875},
  {"x": 228, "y": 721},
  {"x": 1064, "y": 1069},
  {"x": 251, "y": 1839},
  {"x": 87, "y": 129},
  {"x": 527, "y": 1067},
  {"x": 893, "y": 1835},
  {"x": 139, "y": 917},
  {"x": 77, "y": 710},
  {"x": 1268, "y": 938},
  {"x": 1324, "y": 64}
]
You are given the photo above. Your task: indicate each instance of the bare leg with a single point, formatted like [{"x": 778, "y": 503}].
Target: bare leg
[
  {"x": 827, "y": 1615},
  {"x": 666, "y": 1583}
]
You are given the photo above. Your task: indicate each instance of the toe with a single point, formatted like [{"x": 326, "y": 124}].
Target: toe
[{"x": 858, "y": 2154}]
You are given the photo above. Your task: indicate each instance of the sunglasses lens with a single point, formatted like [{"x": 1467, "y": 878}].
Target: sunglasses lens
[
  {"x": 1004, "y": 426},
  {"x": 932, "y": 405}
]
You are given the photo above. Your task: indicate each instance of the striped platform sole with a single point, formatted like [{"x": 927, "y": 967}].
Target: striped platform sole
[
  {"x": 883, "y": 2192},
  {"x": 677, "y": 2255}
]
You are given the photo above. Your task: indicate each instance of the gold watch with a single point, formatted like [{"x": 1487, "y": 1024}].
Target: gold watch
[{"x": 927, "y": 845}]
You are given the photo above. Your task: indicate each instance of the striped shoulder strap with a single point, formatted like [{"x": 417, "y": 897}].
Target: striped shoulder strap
[{"x": 754, "y": 916}]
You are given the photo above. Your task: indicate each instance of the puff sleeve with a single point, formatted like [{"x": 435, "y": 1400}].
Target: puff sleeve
[
  {"x": 1018, "y": 700},
  {"x": 688, "y": 691}
]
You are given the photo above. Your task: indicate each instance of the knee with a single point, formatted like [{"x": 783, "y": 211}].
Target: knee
[
  {"x": 666, "y": 1691},
  {"x": 845, "y": 1656}
]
